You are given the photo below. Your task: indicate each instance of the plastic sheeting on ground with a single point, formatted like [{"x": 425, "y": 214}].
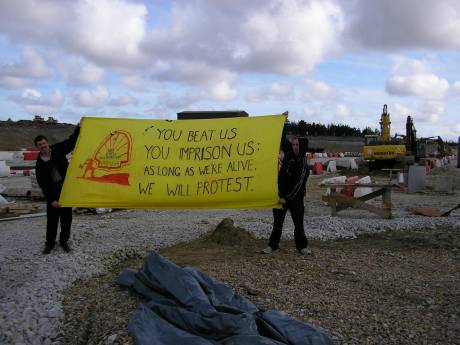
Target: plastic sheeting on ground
[{"x": 185, "y": 306}]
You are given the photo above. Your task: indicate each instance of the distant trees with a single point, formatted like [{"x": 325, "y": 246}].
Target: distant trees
[{"x": 316, "y": 129}]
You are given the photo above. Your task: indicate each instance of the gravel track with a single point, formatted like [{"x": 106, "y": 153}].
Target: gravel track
[{"x": 32, "y": 284}]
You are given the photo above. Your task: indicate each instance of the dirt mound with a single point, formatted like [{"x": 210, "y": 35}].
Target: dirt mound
[
  {"x": 227, "y": 234},
  {"x": 21, "y": 134}
]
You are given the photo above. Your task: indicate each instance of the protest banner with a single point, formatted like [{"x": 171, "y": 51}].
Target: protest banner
[{"x": 165, "y": 164}]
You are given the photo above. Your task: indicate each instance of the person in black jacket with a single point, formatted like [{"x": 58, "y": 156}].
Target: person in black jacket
[
  {"x": 292, "y": 178},
  {"x": 50, "y": 169}
]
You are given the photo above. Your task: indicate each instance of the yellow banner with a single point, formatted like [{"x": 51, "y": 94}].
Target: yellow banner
[{"x": 164, "y": 164}]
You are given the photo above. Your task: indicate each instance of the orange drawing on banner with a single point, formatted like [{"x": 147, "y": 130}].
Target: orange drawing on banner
[{"x": 112, "y": 155}]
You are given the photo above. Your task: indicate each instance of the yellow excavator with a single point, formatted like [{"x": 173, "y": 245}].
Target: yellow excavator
[
  {"x": 382, "y": 147},
  {"x": 432, "y": 147}
]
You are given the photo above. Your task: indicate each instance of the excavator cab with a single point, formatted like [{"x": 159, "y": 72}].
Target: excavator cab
[{"x": 382, "y": 147}]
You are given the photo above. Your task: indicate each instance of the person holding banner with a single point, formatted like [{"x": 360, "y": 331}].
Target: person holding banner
[
  {"x": 51, "y": 168},
  {"x": 292, "y": 178}
]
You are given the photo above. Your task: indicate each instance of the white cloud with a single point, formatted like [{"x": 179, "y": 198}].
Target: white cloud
[
  {"x": 222, "y": 92},
  {"x": 395, "y": 24},
  {"x": 13, "y": 82},
  {"x": 400, "y": 113},
  {"x": 290, "y": 38},
  {"x": 34, "y": 102},
  {"x": 191, "y": 72},
  {"x": 429, "y": 119},
  {"x": 342, "y": 111},
  {"x": 413, "y": 78},
  {"x": 425, "y": 85},
  {"x": 93, "y": 98},
  {"x": 31, "y": 94},
  {"x": 80, "y": 72},
  {"x": 31, "y": 67},
  {"x": 40, "y": 109},
  {"x": 134, "y": 82},
  {"x": 318, "y": 90},
  {"x": 34, "y": 20},
  {"x": 276, "y": 91},
  {"x": 456, "y": 88},
  {"x": 271, "y": 36},
  {"x": 261, "y": 36},
  {"x": 108, "y": 32},
  {"x": 205, "y": 48},
  {"x": 123, "y": 100},
  {"x": 430, "y": 111},
  {"x": 457, "y": 128},
  {"x": 311, "y": 113},
  {"x": 422, "y": 112},
  {"x": 167, "y": 101},
  {"x": 90, "y": 73},
  {"x": 281, "y": 89}
]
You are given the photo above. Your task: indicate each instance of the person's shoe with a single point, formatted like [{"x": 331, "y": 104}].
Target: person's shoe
[
  {"x": 305, "y": 252},
  {"x": 65, "y": 247},
  {"x": 267, "y": 250},
  {"x": 48, "y": 249}
]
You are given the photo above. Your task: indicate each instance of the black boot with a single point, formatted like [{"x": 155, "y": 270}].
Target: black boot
[
  {"x": 48, "y": 248},
  {"x": 65, "y": 247}
]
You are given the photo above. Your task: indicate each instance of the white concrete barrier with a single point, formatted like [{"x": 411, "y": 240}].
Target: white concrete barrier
[{"x": 4, "y": 169}]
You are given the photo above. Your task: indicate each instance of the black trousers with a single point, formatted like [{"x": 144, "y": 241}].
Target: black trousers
[
  {"x": 296, "y": 209},
  {"x": 53, "y": 216}
]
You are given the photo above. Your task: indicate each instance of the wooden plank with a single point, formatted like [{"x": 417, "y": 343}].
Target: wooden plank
[
  {"x": 20, "y": 207},
  {"x": 7, "y": 215},
  {"x": 339, "y": 202},
  {"x": 429, "y": 212},
  {"x": 333, "y": 204},
  {"x": 371, "y": 195},
  {"x": 425, "y": 211},
  {"x": 365, "y": 197},
  {"x": 355, "y": 203},
  {"x": 19, "y": 212},
  {"x": 386, "y": 198},
  {"x": 31, "y": 215}
]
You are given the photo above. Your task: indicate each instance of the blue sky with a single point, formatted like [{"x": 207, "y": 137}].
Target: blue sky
[{"x": 323, "y": 61}]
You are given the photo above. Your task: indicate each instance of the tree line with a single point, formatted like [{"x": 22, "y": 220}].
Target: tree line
[{"x": 317, "y": 129}]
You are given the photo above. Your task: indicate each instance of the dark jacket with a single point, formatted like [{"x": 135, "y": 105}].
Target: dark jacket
[
  {"x": 58, "y": 160},
  {"x": 293, "y": 176}
]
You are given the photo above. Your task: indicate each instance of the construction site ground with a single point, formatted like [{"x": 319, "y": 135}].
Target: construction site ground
[
  {"x": 382, "y": 282},
  {"x": 387, "y": 288}
]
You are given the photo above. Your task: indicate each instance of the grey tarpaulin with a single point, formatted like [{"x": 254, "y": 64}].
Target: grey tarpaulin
[{"x": 186, "y": 306}]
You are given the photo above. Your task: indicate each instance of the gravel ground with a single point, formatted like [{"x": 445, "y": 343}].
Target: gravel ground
[
  {"x": 387, "y": 288},
  {"x": 32, "y": 285}
]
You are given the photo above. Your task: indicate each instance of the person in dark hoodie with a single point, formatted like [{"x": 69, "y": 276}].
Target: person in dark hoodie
[
  {"x": 292, "y": 178},
  {"x": 50, "y": 169}
]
